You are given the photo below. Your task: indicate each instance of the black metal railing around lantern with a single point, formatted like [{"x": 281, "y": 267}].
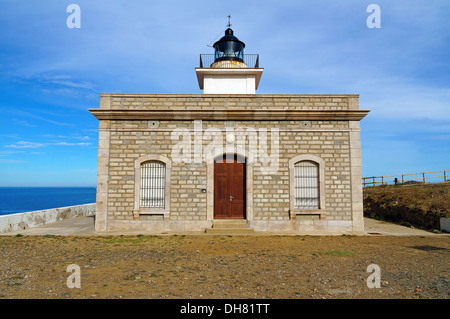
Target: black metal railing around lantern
[{"x": 251, "y": 61}]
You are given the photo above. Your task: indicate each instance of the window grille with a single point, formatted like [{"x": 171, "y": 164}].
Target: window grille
[
  {"x": 306, "y": 175},
  {"x": 153, "y": 184}
]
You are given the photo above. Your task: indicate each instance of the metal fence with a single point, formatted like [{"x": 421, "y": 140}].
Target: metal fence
[
  {"x": 435, "y": 177},
  {"x": 251, "y": 60}
]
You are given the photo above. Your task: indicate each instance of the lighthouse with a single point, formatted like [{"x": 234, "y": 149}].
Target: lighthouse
[
  {"x": 228, "y": 160},
  {"x": 229, "y": 70}
]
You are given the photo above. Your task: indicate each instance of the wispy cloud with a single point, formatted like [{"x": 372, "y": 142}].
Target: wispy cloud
[
  {"x": 10, "y": 152},
  {"x": 9, "y": 161},
  {"x": 83, "y": 138},
  {"x": 11, "y": 136},
  {"x": 25, "y": 144},
  {"x": 65, "y": 81},
  {"x": 70, "y": 144},
  {"x": 48, "y": 80},
  {"x": 23, "y": 123},
  {"x": 35, "y": 115}
]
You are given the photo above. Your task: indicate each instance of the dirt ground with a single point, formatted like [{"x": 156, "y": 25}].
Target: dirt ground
[{"x": 278, "y": 267}]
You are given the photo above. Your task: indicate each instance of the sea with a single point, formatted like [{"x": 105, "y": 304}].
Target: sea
[{"x": 26, "y": 199}]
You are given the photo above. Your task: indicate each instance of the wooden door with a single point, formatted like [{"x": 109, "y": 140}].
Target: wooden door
[{"x": 229, "y": 188}]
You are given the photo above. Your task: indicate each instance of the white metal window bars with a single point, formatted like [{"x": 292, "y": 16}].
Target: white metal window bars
[
  {"x": 153, "y": 183},
  {"x": 307, "y": 192}
]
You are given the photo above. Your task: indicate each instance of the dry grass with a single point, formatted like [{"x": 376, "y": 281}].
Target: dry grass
[{"x": 421, "y": 205}]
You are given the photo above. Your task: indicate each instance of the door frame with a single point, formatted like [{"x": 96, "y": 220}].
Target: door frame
[
  {"x": 236, "y": 160},
  {"x": 210, "y": 184}
]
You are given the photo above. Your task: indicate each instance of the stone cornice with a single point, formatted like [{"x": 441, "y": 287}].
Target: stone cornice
[
  {"x": 231, "y": 115},
  {"x": 201, "y": 95}
]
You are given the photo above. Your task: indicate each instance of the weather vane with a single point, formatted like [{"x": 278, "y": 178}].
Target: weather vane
[{"x": 229, "y": 23}]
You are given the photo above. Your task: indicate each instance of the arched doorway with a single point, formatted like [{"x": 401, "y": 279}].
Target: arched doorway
[{"x": 229, "y": 187}]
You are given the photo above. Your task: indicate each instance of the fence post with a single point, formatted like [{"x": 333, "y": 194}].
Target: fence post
[{"x": 397, "y": 180}]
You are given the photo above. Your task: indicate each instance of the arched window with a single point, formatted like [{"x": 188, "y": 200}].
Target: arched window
[
  {"x": 306, "y": 185},
  {"x": 152, "y": 184}
]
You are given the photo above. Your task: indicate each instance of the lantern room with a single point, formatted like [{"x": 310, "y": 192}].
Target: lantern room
[{"x": 229, "y": 48}]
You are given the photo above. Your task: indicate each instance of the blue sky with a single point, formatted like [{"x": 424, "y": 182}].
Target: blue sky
[{"x": 50, "y": 74}]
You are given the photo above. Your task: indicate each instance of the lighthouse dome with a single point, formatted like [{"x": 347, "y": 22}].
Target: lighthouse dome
[{"x": 229, "y": 48}]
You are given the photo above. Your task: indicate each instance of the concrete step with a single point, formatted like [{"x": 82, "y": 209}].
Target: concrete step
[
  {"x": 229, "y": 231},
  {"x": 229, "y": 227},
  {"x": 229, "y": 223}
]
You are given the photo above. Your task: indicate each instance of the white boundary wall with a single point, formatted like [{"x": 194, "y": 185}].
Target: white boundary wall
[
  {"x": 26, "y": 220},
  {"x": 445, "y": 224}
]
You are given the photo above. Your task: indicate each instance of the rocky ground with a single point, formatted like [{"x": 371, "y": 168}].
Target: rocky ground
[{"x": 279, "y": 267}]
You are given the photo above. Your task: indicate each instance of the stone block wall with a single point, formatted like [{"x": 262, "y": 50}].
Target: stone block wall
[{"x": 122, "y": 141}]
